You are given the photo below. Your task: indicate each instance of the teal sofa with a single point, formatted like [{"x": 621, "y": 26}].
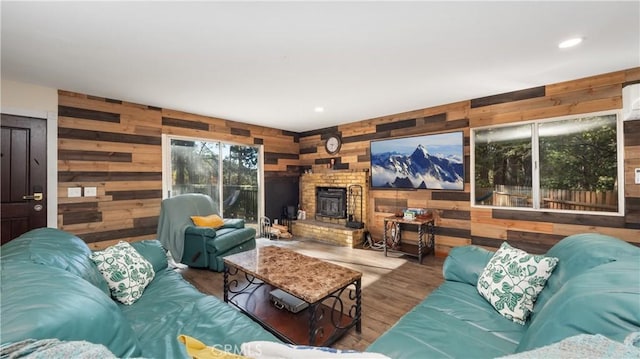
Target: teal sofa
[
  {"x": 201, "y": 247},
  {"x": 51, "y": 289},
  {"x": 595, "y": 289}
]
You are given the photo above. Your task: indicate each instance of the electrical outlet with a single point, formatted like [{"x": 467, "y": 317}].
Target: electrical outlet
[
  {"x": 74, "y": 192},
  {"x": 637, "y": 175},
  {"x": 90, "y": 191}
]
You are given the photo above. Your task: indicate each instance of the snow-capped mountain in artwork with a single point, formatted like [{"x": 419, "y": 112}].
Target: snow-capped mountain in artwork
[{"x": 420, "y": 169}]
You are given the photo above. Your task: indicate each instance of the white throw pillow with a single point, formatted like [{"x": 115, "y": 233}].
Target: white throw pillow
[
  {"x": 512, "y": 280},
  {"x": 125, "y": 270}
]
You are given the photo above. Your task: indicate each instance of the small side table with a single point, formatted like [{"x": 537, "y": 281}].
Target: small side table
[{"x": 392, "y": 238}]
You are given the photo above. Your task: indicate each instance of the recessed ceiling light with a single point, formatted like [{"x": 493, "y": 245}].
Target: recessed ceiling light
[
  {"x": 319, "y": 109},
  {"x": 570, "y": 42}
]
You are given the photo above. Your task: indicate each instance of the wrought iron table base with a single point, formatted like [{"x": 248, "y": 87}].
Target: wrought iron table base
[{"x": 328, "y": 318}]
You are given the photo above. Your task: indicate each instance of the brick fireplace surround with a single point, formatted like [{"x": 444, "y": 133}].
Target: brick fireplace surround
[{"x": 331, "y": 230}]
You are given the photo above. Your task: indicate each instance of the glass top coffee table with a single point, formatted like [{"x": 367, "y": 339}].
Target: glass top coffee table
[{"x": 332, "y": 294}]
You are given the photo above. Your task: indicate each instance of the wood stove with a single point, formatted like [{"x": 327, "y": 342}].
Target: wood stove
[{"x": 331, "y": 202}]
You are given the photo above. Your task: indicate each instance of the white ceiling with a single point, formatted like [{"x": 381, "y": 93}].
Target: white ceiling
[{"x": 272, "y": 63}]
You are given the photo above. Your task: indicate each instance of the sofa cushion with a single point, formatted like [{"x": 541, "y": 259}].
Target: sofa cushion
[
  {"x": 452, "y": 315},
  {"x": 212, "y": 220},
  {"x": 179, "y": 308},
  {"x": 603, "y": 300},
  {"x": 126, "y": 271},
  {"x": 153, "y": 252},
  {"x": 465, "y": 264},
  {"x": 512, "y": 280},
  {"x": 55, "y": 248},
  {"x": 41, "y": 302},
  {"x": 577, "y": 254}
]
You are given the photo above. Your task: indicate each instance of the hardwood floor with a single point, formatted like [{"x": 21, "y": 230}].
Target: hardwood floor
[{"x": 391, "y": 285}]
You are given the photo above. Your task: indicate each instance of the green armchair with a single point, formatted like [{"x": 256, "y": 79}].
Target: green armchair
[{"x": 200, "y": 247}]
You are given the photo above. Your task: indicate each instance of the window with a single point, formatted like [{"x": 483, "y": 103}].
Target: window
[
  {"x": 223, "y": 171},
  {"x": 194, "y": 168},
  {"x": 568, "y": 164}
]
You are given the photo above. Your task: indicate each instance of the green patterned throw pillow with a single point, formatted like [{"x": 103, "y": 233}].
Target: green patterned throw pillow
[
  {"x": 125, "y": 270},
  {"x": 512, "y": 280}
]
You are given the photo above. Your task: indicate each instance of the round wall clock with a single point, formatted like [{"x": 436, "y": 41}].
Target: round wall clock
[{"x": 333, "y": 143}]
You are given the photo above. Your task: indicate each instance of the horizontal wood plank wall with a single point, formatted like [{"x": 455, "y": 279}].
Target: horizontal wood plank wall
[
  {"x": 457, "y": 222},
  {"x": 116, "y": 146}
]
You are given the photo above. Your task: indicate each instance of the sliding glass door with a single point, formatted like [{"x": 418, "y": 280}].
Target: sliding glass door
[
  {"x": 229, "y": 173},
  {"x": 240, "y": 182},
  {"x": 194, "y": 168}
]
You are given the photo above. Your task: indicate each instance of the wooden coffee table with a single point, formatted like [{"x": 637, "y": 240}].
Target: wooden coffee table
[{"x": 333, "y": 294}]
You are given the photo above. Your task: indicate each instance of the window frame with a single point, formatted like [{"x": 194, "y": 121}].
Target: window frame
[{"x": 535, "y": 160}]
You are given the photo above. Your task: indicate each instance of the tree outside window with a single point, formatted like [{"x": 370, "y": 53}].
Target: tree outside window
[
  {"x": 569, "y": 164},
  {"x": 215, "y": 168}
]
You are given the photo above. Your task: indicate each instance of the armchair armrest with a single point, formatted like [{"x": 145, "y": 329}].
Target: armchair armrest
[
  {"x": 195, "y": 245},
  {"x": 465, "y": 264},
  {"x": 237, "y": 223},
  {"x": 200, "y": 231}
]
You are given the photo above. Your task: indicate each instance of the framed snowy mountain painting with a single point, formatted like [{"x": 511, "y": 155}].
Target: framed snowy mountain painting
[{"x": 419, "y": 162}]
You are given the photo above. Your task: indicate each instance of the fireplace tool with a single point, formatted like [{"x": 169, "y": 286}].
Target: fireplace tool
[{"x": 355, "y": 195}]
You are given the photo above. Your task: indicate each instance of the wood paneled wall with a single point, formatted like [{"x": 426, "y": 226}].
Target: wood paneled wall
[
  {"x": 116, "y": 147},
  {"x": 457, "y": 222}
]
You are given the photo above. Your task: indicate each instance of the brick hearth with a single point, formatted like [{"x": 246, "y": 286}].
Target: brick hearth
[
  {"x": 328, "y": 232},
  {"x": 333, "y": 231}
]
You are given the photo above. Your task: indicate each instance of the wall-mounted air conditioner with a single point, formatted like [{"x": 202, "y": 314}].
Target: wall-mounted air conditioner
[{"x": 631, "y": 102}]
